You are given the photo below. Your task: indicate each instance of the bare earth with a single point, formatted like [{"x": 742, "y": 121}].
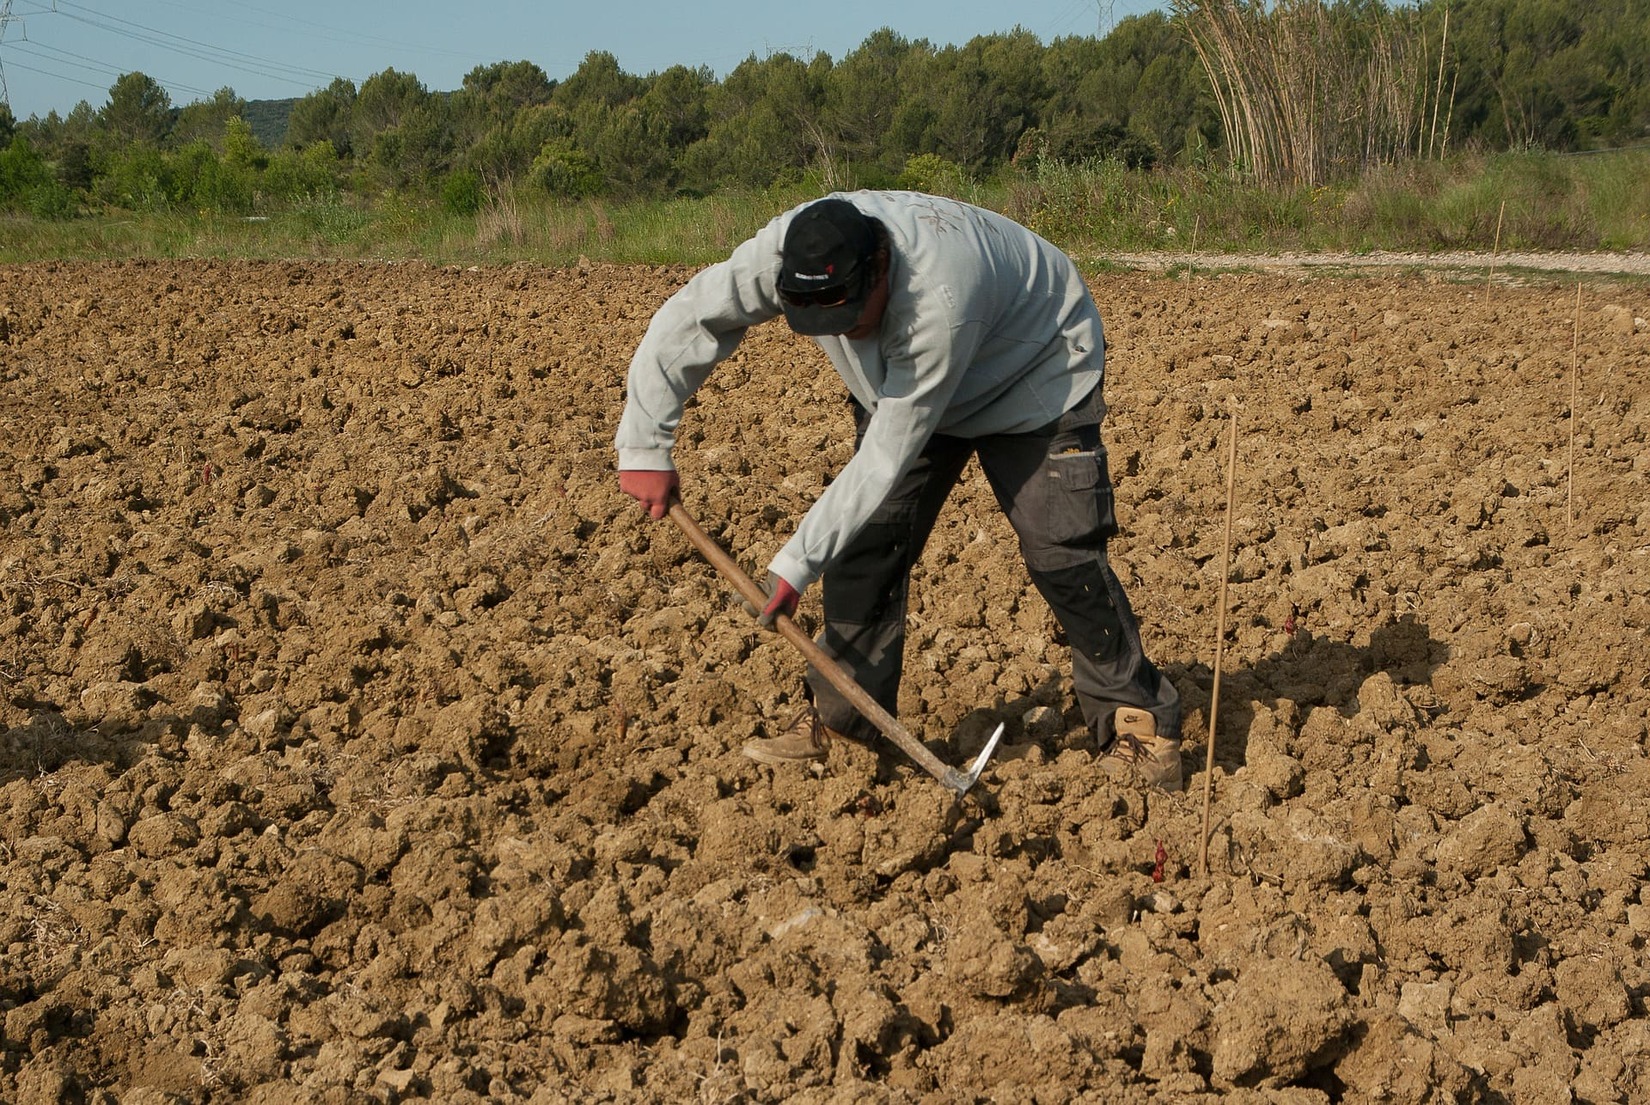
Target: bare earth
[{"x": 359, "y": 742}]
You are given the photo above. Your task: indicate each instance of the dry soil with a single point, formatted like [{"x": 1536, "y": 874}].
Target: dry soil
[{"x": 360, "y": 742}]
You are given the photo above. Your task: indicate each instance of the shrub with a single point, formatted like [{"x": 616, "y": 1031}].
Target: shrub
[
  {"x": 310, "y": 175},
  {"x": 202, "y": 180},
  {"x": 27, "y": 184},
  {"x": 929, "y": 172},
  {"x": 563, "y": 169},
  {"x": 462, "y": 193},
  {"x": 136, "y": 178}
]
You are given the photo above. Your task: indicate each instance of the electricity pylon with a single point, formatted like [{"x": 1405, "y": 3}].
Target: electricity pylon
[{"x": 6, "y": 20}]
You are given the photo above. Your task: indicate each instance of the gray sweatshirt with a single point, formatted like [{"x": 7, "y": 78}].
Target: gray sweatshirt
[{"x": 989, "y": 330}]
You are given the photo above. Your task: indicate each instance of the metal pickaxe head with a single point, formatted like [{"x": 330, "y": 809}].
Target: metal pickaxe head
[{"x": 958, "y": 782}]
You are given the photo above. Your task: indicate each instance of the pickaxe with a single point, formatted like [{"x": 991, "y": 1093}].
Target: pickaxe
[{"x": 956, "y": 781}]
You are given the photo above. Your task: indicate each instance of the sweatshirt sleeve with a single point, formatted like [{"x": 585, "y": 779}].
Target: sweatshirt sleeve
[
  {"x": 924, "y": 366},
  {"x": 698, "y": 327}
]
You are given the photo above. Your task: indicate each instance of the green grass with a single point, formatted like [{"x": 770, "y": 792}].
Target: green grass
[{"x": 1540, "y": 201}]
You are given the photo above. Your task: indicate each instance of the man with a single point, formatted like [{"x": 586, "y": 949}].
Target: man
[{"x": 959, "y": 333}]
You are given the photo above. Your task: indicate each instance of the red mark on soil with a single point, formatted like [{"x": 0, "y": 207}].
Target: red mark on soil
[{"x": 1162, "y": 857}]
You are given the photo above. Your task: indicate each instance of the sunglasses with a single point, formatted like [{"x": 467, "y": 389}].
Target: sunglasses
[{"x": 834, "y": 296}]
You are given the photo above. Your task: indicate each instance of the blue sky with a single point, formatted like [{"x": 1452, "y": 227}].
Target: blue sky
[{"x": 55, "y": 53}]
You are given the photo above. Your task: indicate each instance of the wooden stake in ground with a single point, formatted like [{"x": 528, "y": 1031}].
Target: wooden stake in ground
[
  {"x": 1220, "y": 649},
  {"x": 1575, "y": 372},
  {"x": 1491, "y": 278}
]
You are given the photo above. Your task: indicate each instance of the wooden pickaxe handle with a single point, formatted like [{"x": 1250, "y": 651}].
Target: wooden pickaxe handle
[{"x": 839, "y": 678}]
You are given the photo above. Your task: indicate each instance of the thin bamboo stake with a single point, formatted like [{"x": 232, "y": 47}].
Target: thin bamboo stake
[
  {"x": 1220, "y": 649},
  {"x": 1570, "y": 479},
  {"x": 1488, "y": 280}
]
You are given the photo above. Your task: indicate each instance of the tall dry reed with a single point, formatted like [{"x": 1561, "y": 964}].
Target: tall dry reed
[{"x": 1310, "y": 92}]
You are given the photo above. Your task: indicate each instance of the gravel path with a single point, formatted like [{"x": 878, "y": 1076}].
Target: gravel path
[{"x": 1635, "y": 263}]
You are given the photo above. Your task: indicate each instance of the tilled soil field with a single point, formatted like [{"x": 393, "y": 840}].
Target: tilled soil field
[{"x": 360, "y": 742}]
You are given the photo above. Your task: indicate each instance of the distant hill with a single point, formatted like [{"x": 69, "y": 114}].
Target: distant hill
[{"x": 268, "y": 119}]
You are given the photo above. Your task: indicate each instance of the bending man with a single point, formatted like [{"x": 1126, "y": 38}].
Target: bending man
[{"x": 959, "y": 333}]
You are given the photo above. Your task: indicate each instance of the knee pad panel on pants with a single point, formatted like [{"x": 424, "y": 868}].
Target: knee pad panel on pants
[{"x": 1085, "y": 608}]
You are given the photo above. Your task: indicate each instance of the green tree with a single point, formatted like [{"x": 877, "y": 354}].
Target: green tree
[
  {"x": 990, "y": 91},
  {"x": 914, "y": 112},
  {"x": 1171, "y": 104},
  {"x": 198, "y": 177},
  {"x": 507, "y": 152},
  {"x": 1506, "y": 46},
  {"x": 75, "y": 165},
  {"x": 1624, "y": 56},
  {"x": 637, "y": 146},
  {"x": 136, "y": 178},
  {"x": 462, "y": 193},
  {"x": 500, "y": 90},
  {"x": 675, "y": 104},
  {"x": 401, "y": 132},
  {"x": 597, "y": 81},
  {"x": 324, "y": 116},
  {"x": 1545, "y": 73},
  {"x": 1140, "y": 87},
  {"x": 241, "y": 148},
  {"x": 429, "y": 145},
  {"x": 55, "y": 135},
  {"x": 1086, "y": 108},
  {"x": 419, "y": 150},
  {"x": 387, "y": 101},
  {"x": 764, "y": 125},
  {"x": 861, "y": 100},
  {"x": 486, "y": 119},
  {"x": 630, "y": 160},
  {"x": 139, "y": 110},
  {"x": 208, "y": 119},
  {"x": 1168, "y": 98}
]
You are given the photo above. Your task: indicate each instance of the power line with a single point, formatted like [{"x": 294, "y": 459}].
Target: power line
[
  {"x": 286, "y": 21},
  {"x": 143, "y": 32},
  {"x": 91, "y": 65},
  {"x": 57, "y": 76},
  {"x": 202, "y": 51},
  {"x": 135, "y": 32}
]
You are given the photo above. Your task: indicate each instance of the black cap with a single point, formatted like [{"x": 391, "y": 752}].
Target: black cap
[{"x": 827, "y": 267}]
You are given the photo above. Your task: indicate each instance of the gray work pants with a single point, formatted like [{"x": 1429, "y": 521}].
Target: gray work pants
[{"x": 1054, "y": 485}]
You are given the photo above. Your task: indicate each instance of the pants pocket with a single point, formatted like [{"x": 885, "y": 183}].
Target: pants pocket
[{"x": 1071, "y": 512}]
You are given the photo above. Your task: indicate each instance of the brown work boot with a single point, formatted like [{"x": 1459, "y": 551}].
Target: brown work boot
[
  {"x": 805, "y": 740},
  {"x": 1137, "y": 752}
]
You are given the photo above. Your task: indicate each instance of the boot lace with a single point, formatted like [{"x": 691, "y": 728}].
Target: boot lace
[{"x": 817, "y": 732}]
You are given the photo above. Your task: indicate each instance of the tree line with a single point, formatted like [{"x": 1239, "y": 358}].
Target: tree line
[{"x": 1288, "y": 91}]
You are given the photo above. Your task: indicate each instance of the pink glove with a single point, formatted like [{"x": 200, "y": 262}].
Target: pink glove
[
  {"x": 655, "y": 490},
  {"x": 782, "y": 599}
]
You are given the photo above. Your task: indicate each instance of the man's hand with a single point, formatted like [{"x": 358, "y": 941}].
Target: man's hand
[
  {"x": 655, "y": 490},
  {"x": 782, "y": 599}
]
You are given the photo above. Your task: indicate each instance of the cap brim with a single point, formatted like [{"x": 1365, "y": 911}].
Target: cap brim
[{"x": 819, "y": 321}]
